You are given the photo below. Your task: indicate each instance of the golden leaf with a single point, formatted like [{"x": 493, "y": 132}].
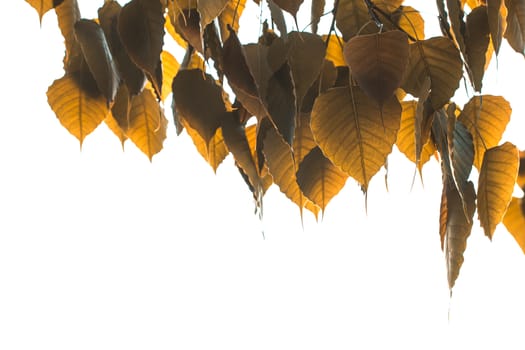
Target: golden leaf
[
  {"x": 353, "y": 18},
  {"x": 170, "y": 67},
  {"x": 514, "y": 221},
  {"x": 230, "y": 17},
  {"x": 213, "y": 152},
  {"x": 41, "y": 6}
]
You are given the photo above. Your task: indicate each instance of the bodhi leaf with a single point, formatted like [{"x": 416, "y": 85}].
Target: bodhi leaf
[
  {"x": 334, "y": 50},
  {"x": 141, "y": 30},
  {"x": 303, "y": 141},
  {"x": 213, "y": 152},
  {"x": 170, "y": 67},
  {"x": 378, "y": 62},
  {"x": 41, "y": 6},
  {"x": 486, "y": 117},
  {"x": 439, "y": 60},
  {"x": 115, "y": 128},
  {"x": 353, "y": 18},
  {"x": 147, "y": 124},
  {"x": 514, "y": 221},
  {"x": 290, "y": 6},
  {"x": 515, "y": 32},
  {"x": 477, "y": 41},
  {"x": 230, "y": 17},
  {"x": 68, "y": 14},
  {"x": 98, "y": 57},
  {"x": 205, "y": 118},
  {"x": 209, "y": 10},
  {"x": 410, "y": 21},
  {"x": 497, "y": 177},
  {"x": 316, "y": 13},
  {"x": 457, "y": 227},
  {"x": 352, "y": 131},
  {"x": 319, "y": 179},
  {"x": 79, "y": 112},
  {"x": 496, "y": 22},
  {"x": 121, "y": 106}
]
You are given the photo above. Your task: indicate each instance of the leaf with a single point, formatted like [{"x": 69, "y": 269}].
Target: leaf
[
  {"x": 439, "y": 60},
  {"x": 406, "y": 139},
  {"x": 129, "y": 72},
  {"x": 456, "y": 14},
  {"x": 187, "y": 24},
  {"x": 378, "y": 62},
  {"x": 486, "y": 117},
  {"x": 278, "y": 18},
  {"x": 477, "y": 41},
  {"x": 205, "y": 118},
  {"x": 213, "y": 152},
  {"x": 170, "y": 67},
  {"x": 410, "y": 21},
  {"x": 41, "y": 6},
  {"x": 497, "y": 177},
  {"x": 457, "y": 228},
  {"x": 141, "y": 30},
  {"x": 316, "y": 13},
  {"x": 121, "y": 107},
  {"x": 514, "y": 221},
  {"x": 98, "y": 57},
  {"x": 251, "y": 136},
  {"x": 115, "y": 128},
  {"x": 496, "y": 22},
  {"x": 353, "y": 18},
  {"x": 306, "y": 53},
  {"x": 334, "y": 50},
  {"x": 353, "y": 133},
  {"x": 424, "y": 120},
  {"x": 515, "y": 31},
  {"x": 303, "y": 141},
  {"x": 68, "y": 14},
  {"x": 325, "y": 81},
  {"x": 290, "y": 6},
  {"x": 169, "y": 26},
  {"x": 79, "y": 112},
  {"x": 209, "y": 10},
  {"x": 319, "y": 179},
  {"x": 147, "y": 124},
  {"x": 230, "y": 17},
  {"x": 279, "y": 158}
]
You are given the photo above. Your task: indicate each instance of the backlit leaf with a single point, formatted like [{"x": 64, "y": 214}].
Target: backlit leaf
[
  {"x": 497, "y": 177},
  {"x": 79, "y": 112},
  {"x": 334, "y": 50},
  {"x": 319, "y": 179},
  {"x": 141, "y": 29},
  {"x": 316, "y": 13},
  {"x": 41, "y": 6},
  {"x": 147, "y": 124},
  {"x": 113, "y": 126},
  {"x": 410, "y": 21},
  {"x": 477, "y": 41},
  {"x": 496, "y": 21},
  {"x": 378, "y": 62},
  {"x": 303, "y": 141},
  {"x": 437, "y": 59},
  {"x": 514, "y": 221},
  {"x": 209, "y": 10},
  {"x": 515, "y": 32},
  {"x": 353, "y": 17},
  {"x": 170, "y": 67},
  {"x": 68, "y": 14},
  {"x": 290, "y": 6},
  {"x": 486, "y": 117},
  {"x": 213, "y": 152},
  {"x": 230, "y": 17},
  {"x": 352, "y": 131}
]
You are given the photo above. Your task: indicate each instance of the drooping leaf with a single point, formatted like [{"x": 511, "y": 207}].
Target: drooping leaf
[
  {"x": 477, "y": 41},
  {"x": 121, "y": 107},
  {"x": 423, "y": 120},
  {"x": 147, "y": 123},
  {"x": 170, "y": 67},
  {"x": 353, "y": 17},
  {"x": 41, "y": 6},
  {"x": 378, "y": 62},
  {"x": 278, "y": 18},
  {"x": 115, "y": 128},
  {"x": 325, "y": 81},
  {"x": 187, "y": 24},
  {"x": 457, "y": 228},
  {"x": 230, "y": 17},
  {"x": 515, "y": 31},
  {"x": 303, "y": 141},
  {"x": 169, "y": 25},
  {"x": 486, "y": 117},
  {"x": 98, "y": 57},
  {"x": 410, "y": 21},
  {"x": 514, "y": 221},
  {"x": 290, "y": 6},
  {"x": 457, "y": 23},
  {"x": 439, "y": 60},
  {"x": 278, "y": 155},
  {"x": 497, "y": 177},
  {"x": 68, "y": 14},
  {"x": 258, "y": 156},
  {"x": 210, "y": 9},
  {"x": 306, "y": 53},
  {"x": 496, "y": 22},
  {"x": 79, "y": 112},
  {"x": 406, "y": 136},
  {"x": 319, "y": 179},
  {"x": 213, "y": 152},
  {"x": 129, "y": 72},
  {"x": 316, "y": 13},
  {"x": 334, "y": 50},
  {"x": 141, "y": 30},
  {"x": 352, "y": 131},
  {"x": 206, "y": 117}
]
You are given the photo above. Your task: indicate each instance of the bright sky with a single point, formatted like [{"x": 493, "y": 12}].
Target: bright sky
[{"x": 99, "y": 249}]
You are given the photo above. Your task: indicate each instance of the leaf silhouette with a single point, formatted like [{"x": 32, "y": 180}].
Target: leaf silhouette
[
  {"x": 170, "y": 67},
  {"x": 68, "y": 14},
  {"x": 319, "y": 179},
  {"x": 98, "y": 57},
  {"x": 457, "y": 23},
  {"x": 439, "y": 60},
  {"x": 79, "y": 112},
  {"x": 496, "y": 22},
  {"x": 457, "y": 228},
  {"x": 353, "y": 133},
  {"x": 515, "y": 31},
  {"x": 290, "y": 6},
  {"x": 279, "y": 158},
  {"x": 353, "y": 17},
  {"x": 115, "y": 128},
  {"x": 486, "y": 117},
  {"x": 514, "y": 221},
  {"x": 187, "y": 24},
  {"x": 205, "y": 118},
  {"x": 497, "y": 177},
  {"x": 378, "y": 62},
  {"x": 129, "y": 72},
  {"x": 230, "y": 17},
  {"x": 147, "y": 124},
  {"x": 316, "y": 13},
  {"x": 209, "y": 10},
  {"x": 477, "y": 41},
  {"x": 213, "y": 152},
  {"x": 121, "y": 107},
  {"x": 141, "y": 30},
  {"x": 278, "y": 18}
]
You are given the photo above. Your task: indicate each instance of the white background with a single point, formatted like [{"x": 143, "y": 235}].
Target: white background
[{"x": 101, "y": 249}]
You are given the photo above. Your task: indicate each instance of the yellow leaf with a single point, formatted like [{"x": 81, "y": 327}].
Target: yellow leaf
[
  {"x": 334, "y": 50},
  {"x": 68, "y": 14},
  {"x": 230, "y": 17},
  {"x": 353, "y": 18},
  {"x": 410, "y": 21},
  {"x": 210, "y": 9},
  {"x": 79, "y": 112},
  {"x": 303, "y": 141},
  {"x": 113, "y": 126},
  {"x": 214, "y": 151},
  {"x": 170, "y": 28},
  {"x": 147, "y": 124},
  {"x": 496, "y": 183},
  {"x": 514, "y": 221},
  {"x": 486, "y": 117},
  {"x": 41, "y": 6},
  {"x": 352, "y": 131},
  {"x": 170, "y": 67}
]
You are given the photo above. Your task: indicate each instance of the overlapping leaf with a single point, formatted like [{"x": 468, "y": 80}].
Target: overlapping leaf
[
  {"x": 477, "y": 41},
  {"x": 497, "y": 177},
  {"x": 352, "y": 131},
  {"x": 514, "y": 221},
  {"x": 68, "y": 14},
  {"x": 290, "y": 6},
  {"x": 496, "y": 21},
  {"x": 214, "y": 151},
  {"x": 410, "y": 21},
  {"x": 210, "y": 9},
  {"x": 41, "y": 6},
  {"x": 353, "y": 17},
  {"x": 230, "y": 17},
  {"x": 515, "y": 31},
  {"x": 334, "y": 50},
  {"x": 486, "y": 117},
  {"x": 316, "y": 13},
  {"x": 170, "y": 67}
]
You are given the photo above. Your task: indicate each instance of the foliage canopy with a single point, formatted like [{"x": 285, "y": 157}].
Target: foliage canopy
[{"x": 302, "y": 110}]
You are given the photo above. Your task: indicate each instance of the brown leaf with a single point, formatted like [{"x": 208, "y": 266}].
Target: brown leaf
[
  {"x": 457, "y": 23},
  {"x": 210, "y": 9},
  {"x": 291, "y": 6},
  {"x": 496, "y": 22},
  {"x": 378, "y": 62},
  {"x": 477, "y": 41},
  {"x": 121, "y": 107},
  {"x": 515, "y": 32},
  {"x": 514, "y": 221},
  {"x": 278, "y": 18},
  {"x": 187, "y": 24},
  {"x": 497, "y": 177},
  {"x": 213, "y": 152},
  {"x": 316, "y": 13},
  {"x": 141, "y": 30},
  {"x": 230, "y": 17},
  {"x": 353, "y": 18},
  {"x": 410, "y": 21},
  {"x": 79, "y": 112}
]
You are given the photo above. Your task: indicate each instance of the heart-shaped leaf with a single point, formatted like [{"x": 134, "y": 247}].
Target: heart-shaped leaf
[
  {"x": 68, "y": 14},
  {"x": 497, "y": 177},
  {"x": 477, "y": 41},
  {"x": 290, "y": 6},
  {"x": 378, "y": 62},
  {"x": 213, "y": 152},
  {"x": 210, "y": 9},
  {"x": 496, "y": 22},
  {"x": 515, "y": 31},
  {"x": 353, "y": 18}
]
